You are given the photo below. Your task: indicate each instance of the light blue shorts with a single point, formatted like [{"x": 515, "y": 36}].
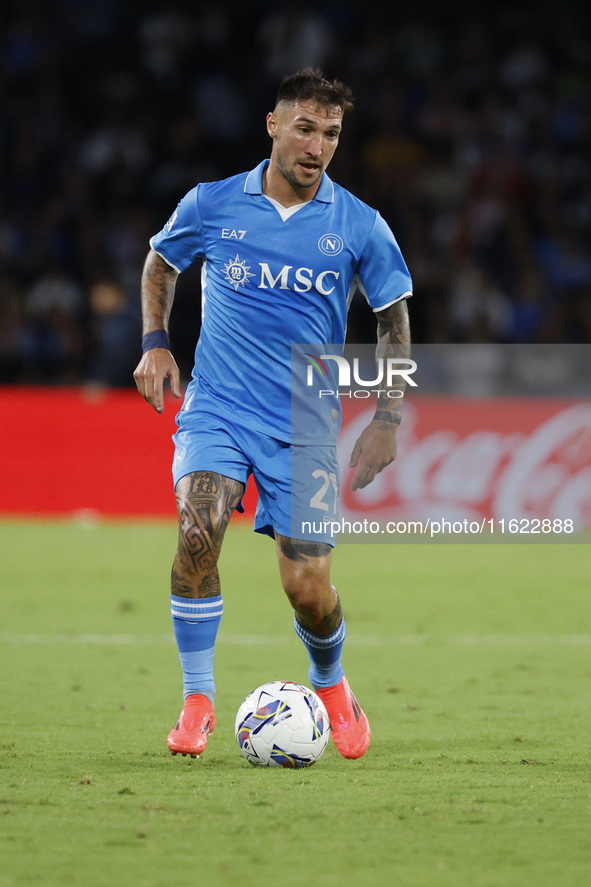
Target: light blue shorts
[{"x": 297, "y": 485}]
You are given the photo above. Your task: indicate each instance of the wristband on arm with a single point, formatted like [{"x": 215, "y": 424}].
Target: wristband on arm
[
  {"x": 385, "y": 416},
  {"x": 156, "y": 339}
]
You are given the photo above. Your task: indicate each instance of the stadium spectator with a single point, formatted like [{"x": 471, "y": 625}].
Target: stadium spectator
[
  {"x": 293, "y": 36},
  {"x": 116, "y": 328},
  {"x": 55, "y": 345}
]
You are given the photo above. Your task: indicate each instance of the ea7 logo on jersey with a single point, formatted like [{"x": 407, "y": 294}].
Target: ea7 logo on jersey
[
  {"x": 232, "y": 234},
  {"x": 237, "y": 272},
  {"x": 330, "y": 244}
]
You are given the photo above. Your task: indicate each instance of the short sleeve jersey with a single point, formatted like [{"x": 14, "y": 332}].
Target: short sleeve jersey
[{"x": 271, "y": 279}]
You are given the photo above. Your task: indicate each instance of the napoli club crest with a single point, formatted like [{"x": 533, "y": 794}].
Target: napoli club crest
[{"x": 330, "y": 244}]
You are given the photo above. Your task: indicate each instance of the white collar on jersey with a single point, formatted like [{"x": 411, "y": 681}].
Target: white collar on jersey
[
  {"x": 254, "y": 184},
  {"x": 286, "y": 212}
]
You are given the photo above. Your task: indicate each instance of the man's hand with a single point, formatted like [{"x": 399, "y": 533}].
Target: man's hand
[
  {"x": 158, "y": 286},
  {"x": 374, "y": 449},
  {"x": 156, "y": 365}
]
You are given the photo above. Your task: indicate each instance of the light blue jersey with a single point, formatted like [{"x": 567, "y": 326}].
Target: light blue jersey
[{"x": 272, "y": 277}]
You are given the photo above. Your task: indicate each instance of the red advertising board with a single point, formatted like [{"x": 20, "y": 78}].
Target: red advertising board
[
  {"x": 63, "y": 452},
  {"x": 460, "y": 458}
]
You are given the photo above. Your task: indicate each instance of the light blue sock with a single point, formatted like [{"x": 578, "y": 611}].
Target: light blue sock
[
  {"x": 196, "y": 622},
  {"x": 325, "y": 654}
]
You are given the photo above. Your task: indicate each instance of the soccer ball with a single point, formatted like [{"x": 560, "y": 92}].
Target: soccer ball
[{"x": 282, "y": 724}]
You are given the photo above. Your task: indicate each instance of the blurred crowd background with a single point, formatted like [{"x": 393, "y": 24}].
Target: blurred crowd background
[{"x": 471, "y": 135}]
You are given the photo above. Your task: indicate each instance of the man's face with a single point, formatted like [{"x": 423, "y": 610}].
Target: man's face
[{"x": 305, "y": 136}]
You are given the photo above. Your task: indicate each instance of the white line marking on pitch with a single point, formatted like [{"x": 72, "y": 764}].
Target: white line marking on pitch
[{"x": 408, "y": 640}]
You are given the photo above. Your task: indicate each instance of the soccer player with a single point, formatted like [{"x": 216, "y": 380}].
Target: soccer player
[{"x": 283, "y": 250}]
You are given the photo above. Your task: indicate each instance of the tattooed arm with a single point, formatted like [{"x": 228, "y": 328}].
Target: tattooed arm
[
  {"x": 157, "y": 364},
  {"x": 376, "y": 447}
]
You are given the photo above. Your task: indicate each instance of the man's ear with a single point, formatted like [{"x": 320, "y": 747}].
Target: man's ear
[{"x": 272, "y": 124}]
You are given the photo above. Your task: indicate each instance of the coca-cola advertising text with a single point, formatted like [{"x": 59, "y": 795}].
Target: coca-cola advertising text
[{"x": 511, "y": 466}]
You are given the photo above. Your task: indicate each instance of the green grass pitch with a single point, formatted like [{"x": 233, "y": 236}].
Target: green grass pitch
[{"x": 472, "y": 662}]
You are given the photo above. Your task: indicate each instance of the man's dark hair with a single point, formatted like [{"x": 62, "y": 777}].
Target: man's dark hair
[{"x": 310, "y": 84}]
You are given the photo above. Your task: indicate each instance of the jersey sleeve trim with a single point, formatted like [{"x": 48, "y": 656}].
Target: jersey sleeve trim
[
  {"x": 406, "y": 295},
  {"x": 162, "y": 256},
  {"x": 383, "y": 277}
]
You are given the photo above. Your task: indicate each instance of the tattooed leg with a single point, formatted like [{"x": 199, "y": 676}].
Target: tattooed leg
[
  {"x": 318, "y": 621},
  {"x": 305, "y": 574},
  {"x": 205, "y": 502}
]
